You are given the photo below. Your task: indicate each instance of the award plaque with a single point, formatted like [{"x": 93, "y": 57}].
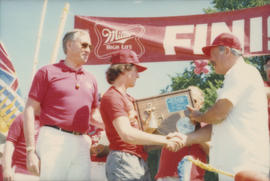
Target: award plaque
[{"x": 165, "y": 113}]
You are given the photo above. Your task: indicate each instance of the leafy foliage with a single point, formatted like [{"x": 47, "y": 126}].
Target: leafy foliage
[{"x": 208, "y": 83}]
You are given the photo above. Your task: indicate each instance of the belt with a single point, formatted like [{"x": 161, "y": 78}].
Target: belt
[{"x": 71, "y": 132}]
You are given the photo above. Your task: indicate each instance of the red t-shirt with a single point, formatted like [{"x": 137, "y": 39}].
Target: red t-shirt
[
  {"x": 66, "y": 96},
  {"x": 16, "y": 136},
  {"x": 267, "y": 84},
  {"x": 94, "y": 133},
  {"x": 169, "y": 161},
  {"x": 113, "y": 105}
]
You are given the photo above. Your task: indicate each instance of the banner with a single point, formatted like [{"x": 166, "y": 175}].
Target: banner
[
  {"x": 11, "y": 103},
  {"x": 176, "y": 38}
]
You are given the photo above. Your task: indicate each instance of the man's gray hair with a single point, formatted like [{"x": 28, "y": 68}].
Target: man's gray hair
[
  {"x": 72, "y": 35},
  {"x": 233, "y": 50}
]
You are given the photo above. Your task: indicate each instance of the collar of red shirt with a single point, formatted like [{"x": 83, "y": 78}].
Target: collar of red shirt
[{"x": 65, "y": 68}]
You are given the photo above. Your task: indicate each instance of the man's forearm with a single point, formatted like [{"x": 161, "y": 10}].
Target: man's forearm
[
  {"x": 7, "y": 155},
  {"x": 135, "y": 136},
  {"x": 29, "y": 127},
  {"x": 217, "y": 113},
  {"x": 200, "y": 136}
]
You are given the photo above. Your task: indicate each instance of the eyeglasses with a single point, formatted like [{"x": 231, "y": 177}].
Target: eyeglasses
[{"x": 85, "y": 45}]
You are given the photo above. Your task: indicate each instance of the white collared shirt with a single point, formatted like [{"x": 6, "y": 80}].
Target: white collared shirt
[{"x": 241, "y": 141}]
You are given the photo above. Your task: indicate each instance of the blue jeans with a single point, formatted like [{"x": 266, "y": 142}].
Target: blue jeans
[{"x": 122, "y": 166}]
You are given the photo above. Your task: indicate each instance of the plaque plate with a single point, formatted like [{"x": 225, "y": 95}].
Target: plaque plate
[{"x": 165, "y": 113}]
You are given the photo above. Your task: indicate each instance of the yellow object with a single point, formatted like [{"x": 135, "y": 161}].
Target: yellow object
[{"x": 208, "y": 167}]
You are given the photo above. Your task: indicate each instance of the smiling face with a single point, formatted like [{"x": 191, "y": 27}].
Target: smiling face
[
  {"x": 217, "y": 59},
  {"x": 79, "y": 48},
  {"x": 222, "y": 59}
]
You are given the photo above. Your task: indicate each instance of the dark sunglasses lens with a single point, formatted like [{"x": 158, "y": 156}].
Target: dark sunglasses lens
[{"x": 85, "y": 45}]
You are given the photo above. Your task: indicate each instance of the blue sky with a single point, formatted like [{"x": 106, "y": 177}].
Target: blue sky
[{"x": 20, "y": 19}]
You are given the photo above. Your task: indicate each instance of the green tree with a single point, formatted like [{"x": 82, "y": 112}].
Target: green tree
[{"x": 209, "y": 83}]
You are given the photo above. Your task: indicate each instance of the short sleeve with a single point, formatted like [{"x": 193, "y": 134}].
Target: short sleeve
[
  {"x": 39, "y": 85},
  {"x": 115, "y": 107},
  {"x": 15, "y": 129}
]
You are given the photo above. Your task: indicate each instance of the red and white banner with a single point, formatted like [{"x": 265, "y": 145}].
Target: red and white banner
[
  {"x": 176, "y": 38},
  {"x": 11, "y": 102}
]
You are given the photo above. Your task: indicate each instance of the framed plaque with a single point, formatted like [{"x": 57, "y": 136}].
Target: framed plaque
[{"x": 165, "y": 113}]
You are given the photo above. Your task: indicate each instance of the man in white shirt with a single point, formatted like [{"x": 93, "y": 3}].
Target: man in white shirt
[{"x": 238, "y": 121}]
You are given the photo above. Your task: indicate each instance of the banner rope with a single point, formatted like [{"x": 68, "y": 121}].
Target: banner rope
[{"x": 208, "y": 167}]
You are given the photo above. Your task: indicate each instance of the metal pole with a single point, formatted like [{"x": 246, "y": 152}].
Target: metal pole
[
  {"x": 60, "y": 32},
  {"x": 39, "y": 37}
]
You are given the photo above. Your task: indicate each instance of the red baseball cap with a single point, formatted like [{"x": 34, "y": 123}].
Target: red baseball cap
[
  {"x": 127, "y": 57},
  {"x": 224, "y": 39}
]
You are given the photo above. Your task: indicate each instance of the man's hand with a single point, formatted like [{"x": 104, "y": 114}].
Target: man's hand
[
  {"x": 176, "y": 141},
  {"x": 33, "y": 163},
  {"x": 194, "y": 115},
  {"x": 96, "y": 149},
  {"x": 8, "y": 174}
]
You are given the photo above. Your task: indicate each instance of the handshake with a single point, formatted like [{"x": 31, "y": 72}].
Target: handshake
[{"x": 175, "y": 141}]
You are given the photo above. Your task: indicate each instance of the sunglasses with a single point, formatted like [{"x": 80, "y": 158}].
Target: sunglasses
[{"x": 85, "y": 45}]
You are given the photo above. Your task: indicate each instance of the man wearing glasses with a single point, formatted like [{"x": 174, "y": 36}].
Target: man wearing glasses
[
  {"x": 68, "y": 97},
  {"x": 237, "y": 121}
]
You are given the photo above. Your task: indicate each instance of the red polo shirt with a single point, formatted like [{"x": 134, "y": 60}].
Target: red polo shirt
[
  {"x": 66, "y": 96},
  {"x": 16, "y": 136},
  {"x": 112, "y": 106}
]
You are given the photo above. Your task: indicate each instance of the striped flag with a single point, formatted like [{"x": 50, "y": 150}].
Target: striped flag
[{"x": 11, "y": 102}]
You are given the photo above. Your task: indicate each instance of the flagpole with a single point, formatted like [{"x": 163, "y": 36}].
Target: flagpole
[
  {"x": 59, "y": 34},
  {"x": 39, "y": 37}
]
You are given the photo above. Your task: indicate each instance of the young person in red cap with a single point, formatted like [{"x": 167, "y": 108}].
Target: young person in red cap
[
  {"x": 168, "y": 162},
  {"x": 126, "y": 160},
  {"x": 14, "y": 156},
  {"x": 238, "y": 124},
  {"x": 67, "y": 96}
]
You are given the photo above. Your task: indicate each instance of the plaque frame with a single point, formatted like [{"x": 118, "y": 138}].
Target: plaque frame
[{"x": 166, "y": 109}]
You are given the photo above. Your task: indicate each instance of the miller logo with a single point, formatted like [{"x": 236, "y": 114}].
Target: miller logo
[{"x": 112, "y": 39}]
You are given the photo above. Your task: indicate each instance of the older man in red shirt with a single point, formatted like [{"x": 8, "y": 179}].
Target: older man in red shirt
[{"x": 68, "y": 98}]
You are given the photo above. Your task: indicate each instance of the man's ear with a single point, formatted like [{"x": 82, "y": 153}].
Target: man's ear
[
  {"x": 227, "y": 50},
  {"x": 68, "y": 45}
]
